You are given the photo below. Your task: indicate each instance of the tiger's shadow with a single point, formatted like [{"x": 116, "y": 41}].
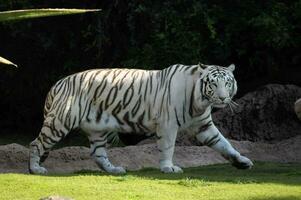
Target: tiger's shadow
[{"x": 288, "y": 174}]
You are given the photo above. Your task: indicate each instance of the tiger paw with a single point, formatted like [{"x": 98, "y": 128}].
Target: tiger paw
[
  {"x": 38, "y": 170},
  {"x": 172, "y": 169},
  {"x": 242, "y": 162},
  {"x": 116, "y": 170}
]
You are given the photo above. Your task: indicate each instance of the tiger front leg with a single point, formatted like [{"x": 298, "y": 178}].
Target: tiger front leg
[
  {"x": 166, "y": 138},
  {"x": 214, "y": 139}
]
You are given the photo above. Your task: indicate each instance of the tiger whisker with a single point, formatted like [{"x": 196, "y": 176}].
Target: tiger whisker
[
  {"x": 231, "y": 108},
  {"x": 234, "y": 103}
]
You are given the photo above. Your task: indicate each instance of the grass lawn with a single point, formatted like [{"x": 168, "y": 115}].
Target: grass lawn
[{"x": 264, "y": 182}]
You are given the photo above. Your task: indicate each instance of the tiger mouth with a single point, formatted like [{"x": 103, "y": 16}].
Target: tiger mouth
[{"x": 220, "y": 105}]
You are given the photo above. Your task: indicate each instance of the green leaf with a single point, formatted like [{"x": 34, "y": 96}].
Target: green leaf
[
  {"x": 6, "y": 62},
  {"x": 35, "y": 13}
]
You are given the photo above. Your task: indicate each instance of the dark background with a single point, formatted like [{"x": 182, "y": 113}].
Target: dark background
[{"x": 262, "y": 38}]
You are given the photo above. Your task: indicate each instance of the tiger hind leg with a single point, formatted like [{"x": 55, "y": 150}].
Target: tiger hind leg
[
  {"x": 51, "y": 133},
  {"x": 44, "y": 157},
  {"x": 98, "y": 142}
]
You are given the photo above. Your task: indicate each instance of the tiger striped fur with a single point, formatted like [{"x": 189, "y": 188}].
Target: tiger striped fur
[{"x": 162, "y": 102}]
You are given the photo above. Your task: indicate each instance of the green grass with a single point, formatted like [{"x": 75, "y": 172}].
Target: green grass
[
  {"x": 35, "y": 13},
  {"x": 266, "y": 181}
]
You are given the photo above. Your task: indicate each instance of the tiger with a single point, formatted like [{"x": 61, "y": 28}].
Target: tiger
[{"x": 179, "y": 98}]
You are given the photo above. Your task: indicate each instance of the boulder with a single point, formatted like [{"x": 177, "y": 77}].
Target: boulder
[{"x": 264, "y": 115}]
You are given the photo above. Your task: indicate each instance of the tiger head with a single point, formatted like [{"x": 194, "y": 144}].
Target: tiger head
[{"x": 217, "y": 84}]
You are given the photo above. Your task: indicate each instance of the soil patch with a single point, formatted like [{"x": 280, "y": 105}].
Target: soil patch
[{"x": 14, "y": 157}]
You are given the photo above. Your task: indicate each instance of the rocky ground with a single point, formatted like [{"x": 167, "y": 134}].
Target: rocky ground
[
  {"x": 265, "y": 128},
  {"x": 14, "y": 157}
]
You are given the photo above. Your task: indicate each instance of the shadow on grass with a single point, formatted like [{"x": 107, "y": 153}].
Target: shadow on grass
[{"x": 289, "y": 174}]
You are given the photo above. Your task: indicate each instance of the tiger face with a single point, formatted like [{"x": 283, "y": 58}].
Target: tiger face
[{"x": 218, "y": 84}]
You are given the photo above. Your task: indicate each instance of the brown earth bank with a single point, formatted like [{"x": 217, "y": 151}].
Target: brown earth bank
[
  {"x": 266, "y": 114},
  {"x": 14, "y": 157}
]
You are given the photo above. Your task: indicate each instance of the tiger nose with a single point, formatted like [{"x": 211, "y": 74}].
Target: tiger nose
[{"x": 222, "y": 98}]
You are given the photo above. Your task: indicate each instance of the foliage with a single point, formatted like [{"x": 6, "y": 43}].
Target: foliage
[
  {"x": 260, "y": 37},
  {"x": 35, "y": 13},
  {"x": 266, "y": 181}
]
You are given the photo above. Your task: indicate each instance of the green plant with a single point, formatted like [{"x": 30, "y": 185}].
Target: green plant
[
  {"x": 15, "y": 15},
  {"x": 6, "y": 62}
]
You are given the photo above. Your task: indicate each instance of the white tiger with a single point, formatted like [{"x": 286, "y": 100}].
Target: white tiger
[{"x": 163, "y": 102}]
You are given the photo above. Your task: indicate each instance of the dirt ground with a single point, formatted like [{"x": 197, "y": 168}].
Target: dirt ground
[{"x": 14, "y": 157}]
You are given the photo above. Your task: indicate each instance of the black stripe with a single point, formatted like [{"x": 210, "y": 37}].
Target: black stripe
[
  {"x": 191, "y": 102},
  {"x": 99, "y": 112},
  {"x": 136, "y": 107},
  {"x": 116, "y": 74},
  {"x": 42, "y": 143},
  {"x": 205, "y": 127},
  {"x": 169, "y": 89},
  {"x": 99, "y": 86},
  {"x": 45, "y": 137},
  {"x": 209, "y": 140},
  {"x": 92, "y": 80},
  {"x": 151, "y": 82},
  {"x": 156, "y": 93},
  {"x": 74, "y": 121},
  {"x": 115, "y": 112},
  {"x": 178, "y": 122},
  {"x": 85, "y": 109},
  {"x": 140, "y": 83},
  {"x": 130, "y": 89},
  {"x": 214, "y": 142},
  {"x": 89, "y": 110},
  {"x": 203, "y": 119},
  {"x": 140, "y": 123},
  {"x": 129, "y": 123},
  {"x": 121, "y": 80},
  {"x": 145, "y": 91},
  {"x": 95, "y": 148},
  {"x": 108, "y": 102}
]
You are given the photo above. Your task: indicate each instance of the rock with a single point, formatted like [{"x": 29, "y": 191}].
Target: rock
[
  {"x": 264, "y": 115},
  {"x": 12, "y": 157},
  {"x": 298, "y": 108}
]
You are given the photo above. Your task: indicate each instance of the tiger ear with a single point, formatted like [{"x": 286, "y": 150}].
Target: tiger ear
[
  {"x": 202, "y": 66},
  {"x": 231, "y": 67}
]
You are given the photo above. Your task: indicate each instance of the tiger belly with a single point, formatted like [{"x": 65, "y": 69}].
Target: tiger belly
[
  {"x": 106, "y": 123},
  {"x": 109, "y": 122}
]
